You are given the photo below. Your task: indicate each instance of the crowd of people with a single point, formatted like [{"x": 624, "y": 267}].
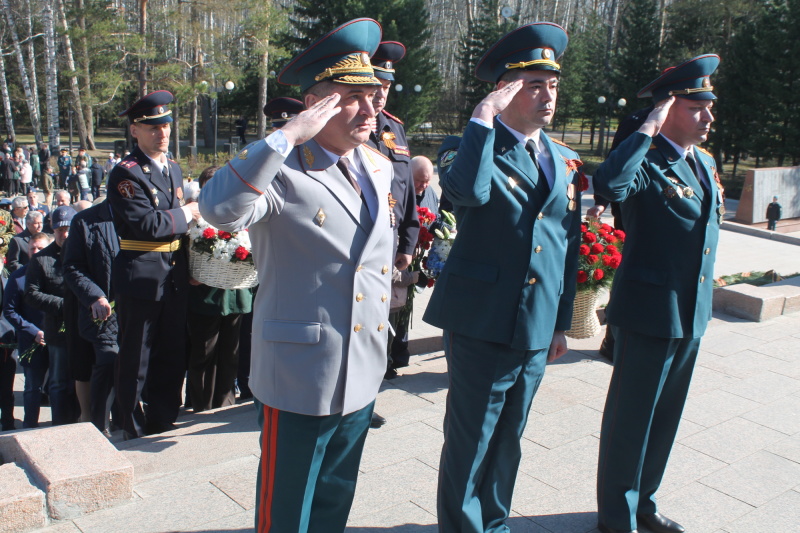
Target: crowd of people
[{"x": 330, "y": 201}]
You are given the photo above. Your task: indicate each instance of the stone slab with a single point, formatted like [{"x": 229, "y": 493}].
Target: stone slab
[
  {"x": 760, "y": 185},
  {"x": 79, "y": 470},
  {"x": 21, "y": 503},
  {"x": 750, "y": 302}
]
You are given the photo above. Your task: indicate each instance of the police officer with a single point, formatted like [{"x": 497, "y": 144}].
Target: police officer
[
  {"x": 505, "y": 295},
  {"x": 389, "y": 136},
  {"x": 281, "y": 110},
  {"x": 150, "y": 273},
  {"x": 64, "y": 162},
  {"x": 660, "y": 302}
]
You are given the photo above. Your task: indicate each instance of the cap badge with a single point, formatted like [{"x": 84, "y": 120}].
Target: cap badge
[
  {"x": 706, "y": 82},
  {"x": 545, "y": 54},
  {"x": 284, "y": 115},
  {"x": 388, "y": 65}
]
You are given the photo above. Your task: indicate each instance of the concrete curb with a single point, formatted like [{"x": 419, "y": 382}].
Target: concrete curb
[
  {"x": 761, "y": 233},
  {"x": 759, "y": 303}
]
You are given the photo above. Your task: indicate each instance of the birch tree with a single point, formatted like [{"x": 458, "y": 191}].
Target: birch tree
[
  {"x": 51, "y": 76},
  {"x": 30, "y": 100}
]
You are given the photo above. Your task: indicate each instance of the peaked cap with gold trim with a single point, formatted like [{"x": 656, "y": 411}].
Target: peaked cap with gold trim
[
  {"x": 341, "y": 56},
  {"x": 281, "y": 110},
  {"x": 150, "y": 109},
  {"x": 690, "y": 80},
  {"x": 535, "y": 46},
  {"x": 384, "y": 58}
]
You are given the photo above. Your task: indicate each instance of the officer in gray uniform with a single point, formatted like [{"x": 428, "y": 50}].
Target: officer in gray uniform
[
  {"x": 661, "y": 298},
  {"x": 504, "y": 298},
  {"x": 315, "y": 200}
]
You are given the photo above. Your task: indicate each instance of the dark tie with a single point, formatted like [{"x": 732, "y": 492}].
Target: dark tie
[
  {"x": 344, "y": 166},
  {"x": 165, "y": 173},
  {"x": 693, "y": 165},
  {"x": 542, "y": 178}
]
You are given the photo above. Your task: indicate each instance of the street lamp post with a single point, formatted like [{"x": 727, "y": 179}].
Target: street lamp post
[{"x": 229, "y": 86}]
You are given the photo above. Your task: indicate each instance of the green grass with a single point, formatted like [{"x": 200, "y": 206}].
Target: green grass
[{"x": 752, "y": 278}]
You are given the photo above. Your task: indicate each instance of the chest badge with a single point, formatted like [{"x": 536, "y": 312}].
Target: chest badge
[
  {"x": 688, "y": 192},
  {"x": 387, "y": 138},
  {"x": 146, "y": 168},
  {"x": 320, "y": 218},
  {"x": 572, "y": 205}
]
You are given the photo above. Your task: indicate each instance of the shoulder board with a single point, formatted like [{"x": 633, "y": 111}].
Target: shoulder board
[
  {"x": 127, "y": 164},
  {"x": 365, "y": 145},
  {"x": 561, "y": 143},
  {"x": 392, "y": 117},
  {"x": 704, "y": 151}
]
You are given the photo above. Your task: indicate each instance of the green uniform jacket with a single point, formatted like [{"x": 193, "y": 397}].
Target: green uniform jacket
[
  {"x": 511, "y": 274},
  {"x": 664, "y": 285}
]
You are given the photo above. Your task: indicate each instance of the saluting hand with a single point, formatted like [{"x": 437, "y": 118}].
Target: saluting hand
[
  {"x": 654, "y": 121},
  {"x": 496, "y": 101},
  {"x": 307, "y": 124}
]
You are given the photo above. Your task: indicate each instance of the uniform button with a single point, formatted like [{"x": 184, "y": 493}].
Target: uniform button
[
  {"x": 381, "y": 326},
  {"x": 384, "y": 298},
  {"x": 357, "y": 328},
  {"x": 359, "y": 297},
  {"x": 540, "y": 216},
  {"x": 359, "y": 267},
  {"x": 172, "y": 263},
  {"x": 702, "y": 279},
  {"x": 385, "y": 269},
  {"x": 537, "y": 249},
  {"x": 531, "y": 281},
  {"x": 707, "y": 251}
]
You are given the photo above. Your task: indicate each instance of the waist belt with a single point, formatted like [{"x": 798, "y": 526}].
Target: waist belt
[{"x": 149, "y": 246}]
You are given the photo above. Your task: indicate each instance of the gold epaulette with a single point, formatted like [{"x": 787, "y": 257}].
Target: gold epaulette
[
  {"x": 705, "y": 151},
  {"x": 392, "y": 117},
  {"x": 561, "y": 143},
  {"x": 365, "y": 145}
]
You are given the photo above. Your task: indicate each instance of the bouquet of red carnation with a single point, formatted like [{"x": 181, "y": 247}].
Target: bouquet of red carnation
[
  {"x": 599, "y": 255},
  {"x": 426, "y": 236}
]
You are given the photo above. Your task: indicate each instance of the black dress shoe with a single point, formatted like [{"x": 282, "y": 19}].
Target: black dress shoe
[
  {"x": 658, "y": 523},
  {"x": 377, "y": 421},
  {"x": 606, "y": 529}
]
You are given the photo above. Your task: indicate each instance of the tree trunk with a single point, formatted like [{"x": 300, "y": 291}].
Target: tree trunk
[
  {"x": 33, "y": 110},
  {"x": 86, "y": 86},
  {"x": 51, "y": 77},
  {"x": 261, "y": 127},
  {"x": 176, "y": 131},
  {"x": 143, "y": 57},
  {"x": 31, "y": 53},
  {"x": 75, "y": 103},
  {"x": 6, "y": 99}
]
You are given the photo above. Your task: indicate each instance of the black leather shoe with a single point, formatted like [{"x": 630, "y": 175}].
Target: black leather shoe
[
  {"x": 377, "y": 421},
  {"x": 606, "y": 529},
  {"x": 658, "y": 523}
]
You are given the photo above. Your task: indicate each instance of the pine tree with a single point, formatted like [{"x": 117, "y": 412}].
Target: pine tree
[{"x": 634, "y": 62}]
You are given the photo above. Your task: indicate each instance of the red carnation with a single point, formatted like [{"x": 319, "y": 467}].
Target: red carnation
[
  {"x": 607, "y": 260},
  {"x": 620, "y": 235},
  {"x": 2, "y": 222},
  {"x": 612, "y": 249},
  {"x": 592, "y": 259},
  {"x": 241, "y": 253},
  {"x": 209, "y": 233},
  {"x": 616, "y": 259},
  {"x": 584, "y": 228},
  {"x": 597, "y": 248},
  {"x": 598, "y": 274},
  {"x": 611, "y": 239},
  {"x": 431, "y": 281},
  {"x": 589, "y": 237},
  {"x": 606, "y": 227},
  {"x": 224, "y": 235},
  {"x": 583, "y": 249},
  {"x": 583, "y": 277}
]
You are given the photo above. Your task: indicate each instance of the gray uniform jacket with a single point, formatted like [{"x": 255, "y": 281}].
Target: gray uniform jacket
[{"x": 321, "y": 313}]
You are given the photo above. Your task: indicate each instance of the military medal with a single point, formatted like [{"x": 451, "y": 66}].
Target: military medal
[
  {"x": 155, "y": 201},
  {"x": 721, "y": 210},
  {"x": 387, "y": 138},
  {"x": 669, "y": 192},
  {"x": 688, "y": 192},
  {"x": 572, "y": 205},
  {"x": 154, "y": 191},
  {"x": 320, "y": 218},
  {"x": 511, "y": 183}
]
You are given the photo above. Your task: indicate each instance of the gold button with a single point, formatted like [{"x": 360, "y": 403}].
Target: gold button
[
  {"x": 702, "y": 279},
  {"x": 537, "y": 249},
  {"x": 707, "y": 251},
  {"x": 531, "y": 281},
  {"x": 384, "y": 298},
  {"x": 359, "y": 297},
  {"x": 357, "y": 328},
  {"x": 385, "y": 269},
  {"x": 540, "y": 216},
  {"x": 381, "y": 326},
  {"x": 359, "y": 267}
]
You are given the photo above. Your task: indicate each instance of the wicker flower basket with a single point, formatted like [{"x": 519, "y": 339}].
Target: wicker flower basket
[
  {"x": 585, "y": 323},
  {"x": 221, "y": 274}
]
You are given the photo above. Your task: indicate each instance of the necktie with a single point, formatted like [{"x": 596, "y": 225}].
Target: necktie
[
  {"x": 542, "y": 178},
  {"x": 693, "y": 165},
  {"x": 344, "y": 166},
  {"x": 165, "y": 173}
]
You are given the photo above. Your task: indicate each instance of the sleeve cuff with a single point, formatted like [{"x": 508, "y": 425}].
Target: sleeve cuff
[
  {"x": 277, "y": 141},
  {"x": 481, "y": 122}
]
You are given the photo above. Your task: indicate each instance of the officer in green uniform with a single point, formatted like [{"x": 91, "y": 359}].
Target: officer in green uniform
[
  {"x": 672, "y": 206},
  {"x": 504, "y": 297}
]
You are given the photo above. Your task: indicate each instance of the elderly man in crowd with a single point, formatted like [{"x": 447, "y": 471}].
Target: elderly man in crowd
[
  {"x": 18, "y": 247},
  {"x": 19, "y": 209}
]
